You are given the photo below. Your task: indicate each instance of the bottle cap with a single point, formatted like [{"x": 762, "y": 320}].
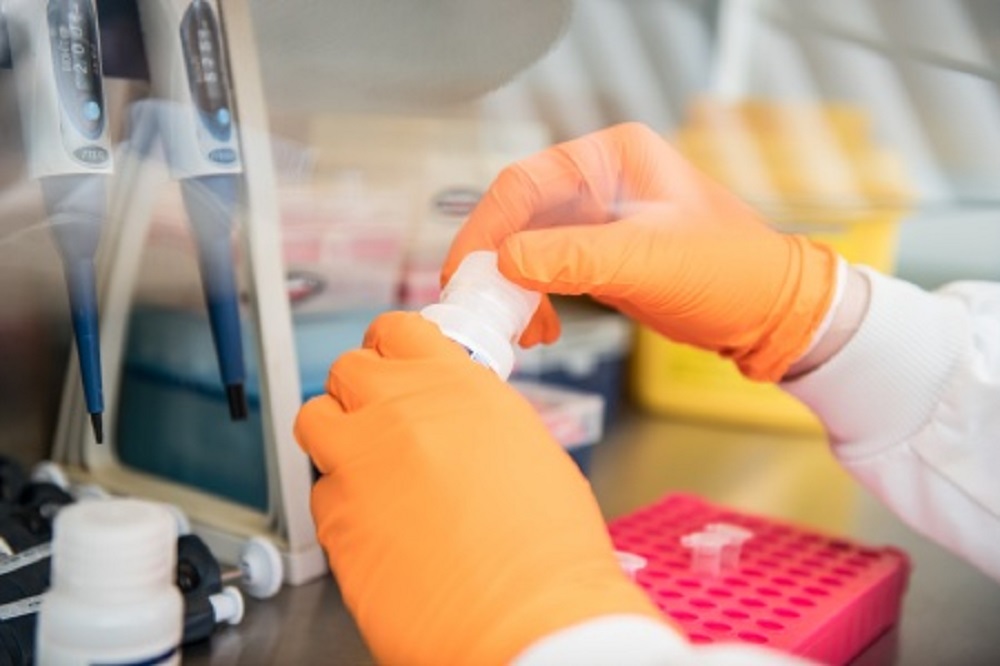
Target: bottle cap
[{"x": 113, "y": 548}]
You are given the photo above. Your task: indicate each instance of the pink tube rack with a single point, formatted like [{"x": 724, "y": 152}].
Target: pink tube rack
[{"x": 795, "y": 590}]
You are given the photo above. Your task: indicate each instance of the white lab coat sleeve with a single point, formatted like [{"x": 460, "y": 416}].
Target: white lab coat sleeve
[
  {"x": 640, "y": 641},
  {"x": 912, "y": 409}
]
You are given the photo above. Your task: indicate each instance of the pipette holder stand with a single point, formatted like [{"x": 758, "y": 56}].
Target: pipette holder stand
[{"x": 225, "y": 526}]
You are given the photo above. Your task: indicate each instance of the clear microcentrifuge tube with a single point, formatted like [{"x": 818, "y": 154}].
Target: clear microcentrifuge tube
[
  {"x": 631, "y": 563},
  {"x": 736, "y": 536},
  {"x": 706, "y": 552}
]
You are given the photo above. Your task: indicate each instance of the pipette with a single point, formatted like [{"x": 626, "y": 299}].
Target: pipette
[
  {"x": 188, "y": 68},
  {"x": 55, "y": 48}
]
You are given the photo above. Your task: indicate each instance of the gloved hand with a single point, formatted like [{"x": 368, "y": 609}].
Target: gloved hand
[
  {"x": 621, "y": 216},
  {"x": 459, "y": 531}
]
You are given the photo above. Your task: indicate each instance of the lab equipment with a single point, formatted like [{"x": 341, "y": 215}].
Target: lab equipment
[
  {"x": 259, "y": 572},
  {"x": 210, "y": 594},
  {"x": 484, "y": 312},
  {"x": 706, "y": 552},
  {"x": 200, "y": 620},
  {"x": 27, "y": 521},
  {"x": 20, "y": 608},
  {"x": 224, "y": 524},
  {"x": 20, "y": 594},
  {"x": 825, "y": 598},
  {"x": 18, "y": 560},
  {"x": 12, "y": 479},
  {"x": 207, "y": 602},
  {"x": 736, "y": 536},
  {"x": 112, "y": 596},
  {"x": 189, "y": 70},
  {"x": 56, "y": 56},
  {"x": 630, "y": 563}
]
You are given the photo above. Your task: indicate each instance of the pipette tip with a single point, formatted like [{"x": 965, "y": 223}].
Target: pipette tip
[
  {"x": 237, "y": 398},
  {"x": 97, "y": 423}
]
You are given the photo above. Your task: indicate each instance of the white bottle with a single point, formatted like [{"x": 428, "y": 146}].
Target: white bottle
[
  {"x": 112, "y": 598},
  {"x": 484, "y": 312}
]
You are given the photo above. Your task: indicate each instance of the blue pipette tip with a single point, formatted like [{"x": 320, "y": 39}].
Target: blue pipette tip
[
  {"x": 237, "y": 398},
  {"x": 97, "y": 423}
]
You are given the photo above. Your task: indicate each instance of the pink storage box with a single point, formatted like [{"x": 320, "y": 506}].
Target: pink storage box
[{"x": 796, "y": 590}]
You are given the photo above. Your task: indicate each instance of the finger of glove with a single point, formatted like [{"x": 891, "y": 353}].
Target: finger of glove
[
  {"x": 539, "y": 191},
  {"x": 407, "y": 335},
  {"x": 617, "y": 260},
  {"x": 589, "y": 180},
  {"x": 317, "y": 429},
  {"x": 362, "y": 377},
  {"x": 574, "y": 182},
  {"x": 333, "y": 437},
  {"x": 544, "y": 327}
]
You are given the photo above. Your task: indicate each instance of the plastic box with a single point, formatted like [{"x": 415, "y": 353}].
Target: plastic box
[
  {"x": 589, "y": 356},
  {"x": 808, "y": 168},
  {"x": 796, "y": 590},
  {"x": 574, "y": 418},
  {"x": 173, "y": 419}
]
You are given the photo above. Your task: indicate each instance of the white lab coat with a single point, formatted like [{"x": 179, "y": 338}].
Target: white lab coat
[{"x": 912, "y": 408}]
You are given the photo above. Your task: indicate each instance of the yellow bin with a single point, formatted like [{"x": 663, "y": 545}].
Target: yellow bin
[{"x": 808, "y": 169}]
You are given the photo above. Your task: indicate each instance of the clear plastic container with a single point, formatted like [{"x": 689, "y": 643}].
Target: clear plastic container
[
  {"x": 484, "y": 312},
  {"x": 736, "y": 536},
  {"x": 706, "y": 552}
]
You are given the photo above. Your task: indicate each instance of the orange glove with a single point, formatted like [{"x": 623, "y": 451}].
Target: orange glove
[
  {"x": 621, "y": 216},
  {"x": 459, "y": 531}
]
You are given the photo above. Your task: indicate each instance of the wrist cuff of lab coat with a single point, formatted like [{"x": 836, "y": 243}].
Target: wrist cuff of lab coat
[
  {"x": 838, "y": 296},
  {"x": 640, "y": 641},
  {"x": 883, "y": 385},
  {"x": 614, "y": 639}
]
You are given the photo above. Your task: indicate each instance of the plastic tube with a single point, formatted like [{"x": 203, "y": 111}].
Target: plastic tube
[
  {"x": 736, "y": 536},
  {"x": 631, "y": 563},
  {"x": 484, "y": 312},
  {"x": 706, "y": 552}
]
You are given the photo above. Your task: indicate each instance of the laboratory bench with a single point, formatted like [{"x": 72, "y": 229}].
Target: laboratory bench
[{"x": 951, "y": 612}]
